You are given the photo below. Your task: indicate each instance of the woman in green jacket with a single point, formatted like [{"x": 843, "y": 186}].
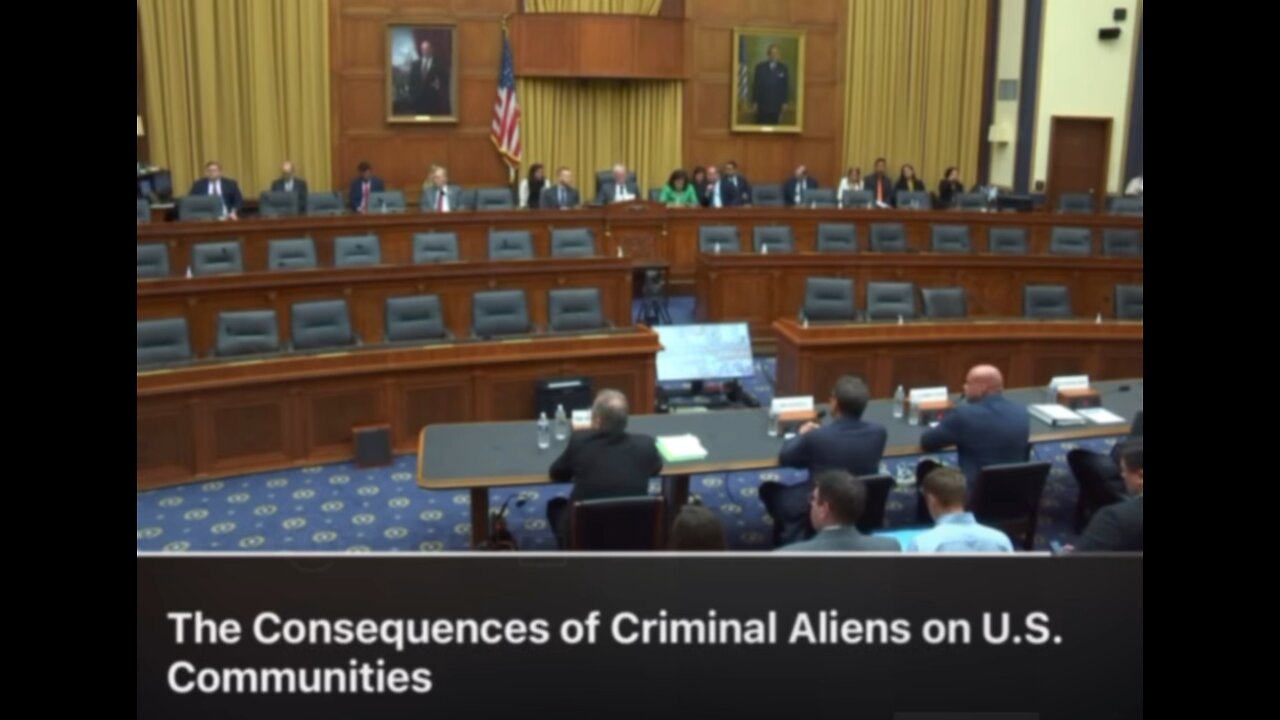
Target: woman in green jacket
[{"x": 678, "y": 191}]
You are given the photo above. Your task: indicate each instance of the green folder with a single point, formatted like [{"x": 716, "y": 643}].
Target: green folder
[{"x": 681, "y": 448}]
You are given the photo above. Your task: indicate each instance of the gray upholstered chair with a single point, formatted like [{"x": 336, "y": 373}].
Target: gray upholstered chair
[
  {"x": 415, "y": 318},
  {"x": 144, "y": 211},
  {"x": 829, "y": 299},
  {"x": 356, "y": 250},
  {"x": 574, "y": 309},
  {"x": 1126, "y": 206},
  {"x": 1070, "y": 241},
  {"x": 726, "y": 236},
  {"x": 1008, "y": 241},
  {"x": 776, "y": 237},
  {"x": 1046, "y": 302},
  {"x": 217, "y": 258},
  {"x": 277, "y": 203},
  {"x": 572, "y": 242},
  {"x": 324, "y": 203},
  {"x": 951, "y": 239},
  {"x": 891, "y": 300},
  {"x": 837, "y": 237},
  {"x": 163, "y": 341},
  {"x": 820, "y": 197},
  {"x": 1075, "y": 202},
  {"x": 768, "y": 195},
  {"x": 970, "y": 201},
  {"x": 510, "y": 245},
  {"x": 858, "y": 199},
  {"x": 888, "y": 237},
  {"x": 494, "y": 199},
  {"x": 291, "y": 254},
  {"x": 944, "y": 303},
  {"x": 1128, "y": 302},
  {"x": 1122, "y": 242},
  {"x": 387, "y": 201},
  {"x": 912, "y": 200},
  {"x": 200, "y": 207},
  {"x": 153, "y": 260},
  {"x": 434, "y": 247},
  {"x": 495, "y": 313},
  {"x": 320, "y": 324},
  {"x": 247, "y": 332}
]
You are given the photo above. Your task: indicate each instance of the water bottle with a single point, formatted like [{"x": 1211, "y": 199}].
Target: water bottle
[
  {"x": 804, "y": 320},
  {"x": 901, "y": 320},
  {"x": 1098, "y": 320},
  {"x": 899, "y": 397},
  {"x": 764, "y": 248},
  {"x": 619, "y": 251},
  {"x": 544, "y": 432},
  {"x": 717, "y": 248},
  {"x": 772, "y": 430},
  {"x": 562, "y": 424},
  {"x": 913, "y": 413}
]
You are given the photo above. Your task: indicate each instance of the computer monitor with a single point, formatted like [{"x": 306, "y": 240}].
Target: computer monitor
[{"x": 719, "y": 351}]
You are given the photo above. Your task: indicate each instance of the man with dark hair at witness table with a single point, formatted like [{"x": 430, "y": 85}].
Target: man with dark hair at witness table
[
  {"x": 846, "y": 443},
  {"x": 697, "y": 528},
  {"x": 955, "y": 529},
  {"x": 364, "y": 185},
  {"x": 214, "y": 184},
  {"x": 290, "y": 182},
  {"x": 835, "y": 506},
  {"x": 603, "y": 462},
  {"x": 1118, "y": 527},
  {"x": 741, "y": 186},
  {"x": 563, "y": 194}
]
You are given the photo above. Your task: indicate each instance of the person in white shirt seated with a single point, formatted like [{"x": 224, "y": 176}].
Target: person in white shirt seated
[
  {"x": 851, "y": 182},
  {"x": 617, "y": 188},
  {"x": 531, "y": 187},
  {"x": 1134, "y": 188},
  {"x": 955, "y": 530}
]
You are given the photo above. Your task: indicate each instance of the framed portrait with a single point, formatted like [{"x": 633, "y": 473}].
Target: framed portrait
[
  {"x": 768, "y": 91},
  {"x": 422, "y": 77}
]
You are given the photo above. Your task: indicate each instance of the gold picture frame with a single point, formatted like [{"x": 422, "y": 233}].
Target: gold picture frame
[
  {"x": 767, "y": 91},
  {"x": 422, "y": 73}
]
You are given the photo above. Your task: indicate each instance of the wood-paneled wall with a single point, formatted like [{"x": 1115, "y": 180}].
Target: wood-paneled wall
[
  {"x": 401, "y": 153},
  {"x": 766, "y": 158}
]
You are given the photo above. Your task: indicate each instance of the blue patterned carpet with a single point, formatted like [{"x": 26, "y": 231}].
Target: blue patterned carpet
[{"x": 339, "y": 507}]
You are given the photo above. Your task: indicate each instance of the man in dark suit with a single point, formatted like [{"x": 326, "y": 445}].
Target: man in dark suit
[
  {"x": 738, "y": 181},
  {"x": 1118, "y": 527},
  {"x": 717, "y": 193},
  {"x": 428, "y": 84},
  {"x": 214, "y": 184},
  {"x": 604, "y": 462},
  {"x": 563, "y": 194},
  {"x": 988, "y": 429},
  {"x": 837, "y": 503},
  {"x": 363, "y": 186},
  {"x": 794, "y": 189},
  {"x": 617, "y": 188},
  {"x": 439, "y": 195},
  {"x": 879, "y": 184},
  {"x": 847, "y": 443},
  {"x": 770, "y": 90},
  {"x": 289, "y": 182}
]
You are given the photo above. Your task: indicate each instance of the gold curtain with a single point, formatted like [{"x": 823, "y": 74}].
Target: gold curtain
[
  {"x": 588, "y": 126},
  {"x": 244, "y": 82},
  {"x": 914, "y": 85},
  {"x": 612, "y": 7}
]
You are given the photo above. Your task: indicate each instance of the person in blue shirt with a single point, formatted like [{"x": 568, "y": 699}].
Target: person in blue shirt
[{"x": 955, "y": 530}]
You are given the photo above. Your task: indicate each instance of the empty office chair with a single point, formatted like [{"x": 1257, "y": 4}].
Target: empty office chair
[
  {"x": 970, "y": 201},
  {"x": 278, "y": 204},
  {"x": 1070, "y": 241},
  {"x": 163, "y": 341},
  {"x": 1126, "y": 206},
  {"x": 495, "y": 313},
  {"x": 655, "y": 194},
  {"x": 494, "y": 199},
  {"x": 829, "y": 299},
  {"x": 216, "y": 258},
  {"x": 574, "y": 310},
  {"x": 944, "y": 303},
  {"x": 1128, "y": 302},
  {"x": 510, "y": 245},
  {"x": 247, "y": 332},
  {"x": 888, "y": 237},
  {"x": 1007, "y": 497},
  {"x": 858, "y": 199},
  {"x": 951, "y": 239},
  {"x": 768, "y": 195},
  {"x": 291, "y": 254},
  {"x": 200, "y": 207},
  {"x": 837, "y": 237},
  {"x": 435, "y": 247},
  {"x": 878, "y": 487},
  {"x": 775, "y": 237},
  {"x": 320, "y": 324},
  {"x": 891, "y": 300},
  {"x": 144, "y": 211},
  {"x": 324, "y": 203},
  {"x": 417, "y": 318},
  {"x": 1008, "y": 241},
  {"x": 356, "y": 250},
  {"x": 820, "y": 198},
  {"x": 1075, "y": 202},
  {"x": 153, "y": 260},
  {"x": 387, "y": 201},
  {"x": 572, "y": 242},
  {"x": 467, "y": 199},
  {"x": 626, "y": 523},
  {"x": 726, "y": 236},
  {"x": 912, "y": 200},
  {"x": 1118, "y": 242},
  {"x": 1100, "y": 484},
  {"x": 1046, "y": 302}
]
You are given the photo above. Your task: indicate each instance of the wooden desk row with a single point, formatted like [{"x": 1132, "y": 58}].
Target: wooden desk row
[
  {"x": 645, "y": 231},
  {"x": 366, "y": 290},
  {"x": 217, "y": 419}
]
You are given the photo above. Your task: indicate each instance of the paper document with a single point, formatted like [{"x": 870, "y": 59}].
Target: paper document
[
  {"x": 678, "y": 448},
  {"x": 1055, "y": 415},
  {"x": 1101, "y": 416}
]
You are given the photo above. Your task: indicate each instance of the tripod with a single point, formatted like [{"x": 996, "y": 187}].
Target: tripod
[{"x": 653, "y": 303}]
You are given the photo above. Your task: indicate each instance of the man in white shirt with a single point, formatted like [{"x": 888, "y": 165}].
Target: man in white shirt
[
  {"x": 955, "y": 530},
  {"x": 617, "y": 188},
  {"x": 1134, "y": 188},
  {"x": 438, "y": 195}
]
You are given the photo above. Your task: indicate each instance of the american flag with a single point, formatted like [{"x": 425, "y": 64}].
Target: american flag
[{"x": 505, "y": 130}]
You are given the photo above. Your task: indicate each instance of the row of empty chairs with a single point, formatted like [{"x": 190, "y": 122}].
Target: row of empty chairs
[
  {"x": 326, "y": 324},
  {"x": 834, "y": 300},
  {"x": 214, "y": 258},
  {"x": 892, "y": 237}
]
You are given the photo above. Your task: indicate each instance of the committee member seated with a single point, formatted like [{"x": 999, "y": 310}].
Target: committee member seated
[
  {"x": 794, "y": 189},
  {"x": 531, "y": 187},
  {"x": 851, "y": 182},
  {"x": 1118, "y": 527},
  {"x": 950, "y": 187},
  {"x": 214, "y": 184},
  {"x": 955, "y": 529},
  {"x": 697, "y": 529},
  {"x": 617, "y": 188},
  {"x": 846, "y": 443},
  {"x": 290, "y": 182},
  {"x": 563, "y": 194},
  {"x": 438, "y": 195},
  {"x": 678, "y": 192},
  {"x": 880, "y": 184},
  {"x": 907, "y": 181},
  {"x": 364, "y": 185},
  {"x": 739, "y": 182},
  {"x": 717, "y": 193},
  {"x": 987, "y": 429},
  {"x": 603, "y": 462},
  {"x": 835, "y": 506},
  {"x": 1134, "y": 188}
]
